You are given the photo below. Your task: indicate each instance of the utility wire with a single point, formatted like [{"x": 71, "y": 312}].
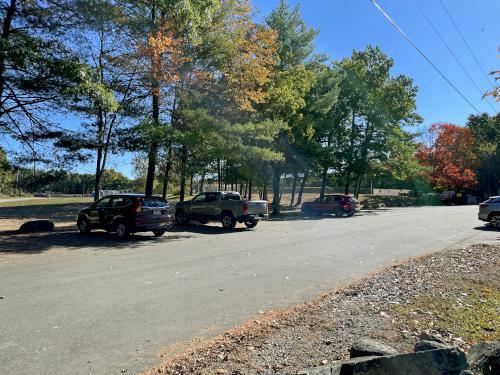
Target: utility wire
[
  {"x": 467, "y": 45},
  {"x": 453, "y": 53},
  {"x": 423, "y": 55}
]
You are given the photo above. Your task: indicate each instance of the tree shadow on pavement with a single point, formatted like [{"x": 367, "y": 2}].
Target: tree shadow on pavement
[
  {"x": 297, "y": 215},
  {"x": 207, "y": 229},
  {"x": 13, "y": 242}
]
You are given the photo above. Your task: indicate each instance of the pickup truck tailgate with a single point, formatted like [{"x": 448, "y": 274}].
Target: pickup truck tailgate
[{"x": 257, "y": 207}]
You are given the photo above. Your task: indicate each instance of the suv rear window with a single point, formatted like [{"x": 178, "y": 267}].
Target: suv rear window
[{"x": 153, "y": 202}]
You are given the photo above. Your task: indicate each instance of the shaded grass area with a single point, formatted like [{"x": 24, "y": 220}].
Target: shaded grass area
[
  {"x": 462, "y": 307},
  {"x": 29, "y": 202}
]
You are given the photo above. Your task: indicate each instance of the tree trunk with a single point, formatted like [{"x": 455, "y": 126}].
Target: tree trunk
[
  {"x": 276, "y": 190},
  {"x": 6, "y": 30},
  {"x": 191, "y": 184},
  {"x": 302, "y": 186},
  {"x": 219, "y": 182},
  {"x": 202, "y": 183},
  {"x": 98, "y": 170},
  {"x": 264, "y": 191},
  {"x": 282, "y": 188},
  {"x": 324, "y": 179},
  {"x": 166, "y": 174},
  {"x": 358, "y": 185},
  {"x": 347, "y": 182},
  {"x": 250, "y": 187},
  {"x": 155, "y": 91},
  {"x": 294, "y": 187},
  {"x": 182, "y": 192}
]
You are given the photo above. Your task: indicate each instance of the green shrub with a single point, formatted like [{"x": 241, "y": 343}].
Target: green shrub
[{"x": 376, "y": 201}]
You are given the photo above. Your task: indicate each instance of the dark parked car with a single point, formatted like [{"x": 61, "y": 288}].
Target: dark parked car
[
  {"x": 338, "y": 204},
  {"x": 127, "y": 213}
]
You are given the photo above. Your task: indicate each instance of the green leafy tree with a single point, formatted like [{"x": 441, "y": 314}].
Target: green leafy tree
[
  {"x": 290, "y": 83},
  {"x": 486, "y": 132},
  {"x": 373, "y": 111},
  {"x": 37, "y": 70}
]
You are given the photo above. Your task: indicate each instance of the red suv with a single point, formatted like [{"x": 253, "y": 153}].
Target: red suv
[
  {"x": 127, "y": 213},
  {"x": 337, "y": 204}
]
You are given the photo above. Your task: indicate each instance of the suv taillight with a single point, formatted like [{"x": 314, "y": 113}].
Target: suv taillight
[
  {"x": 136, "y": 204},
  {"x": 245, "y": 208},
  {"x": 483, "y": 205}
]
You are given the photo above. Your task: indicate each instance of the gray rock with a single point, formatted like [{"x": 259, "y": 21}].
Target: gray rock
[
  {"x": 424, "y": 345},
  {"x": 425, "y": 336},
  {"x": 367, "y": 347},
  {"x": 466, "y": 372},
  {"x": 37, "y": 226},
  {"x": 431, "y": 362},
  {"x": 485, "y": 356}
]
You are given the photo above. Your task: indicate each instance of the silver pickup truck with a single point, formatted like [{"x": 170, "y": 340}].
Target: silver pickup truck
[{"x": 227, "y": 207}]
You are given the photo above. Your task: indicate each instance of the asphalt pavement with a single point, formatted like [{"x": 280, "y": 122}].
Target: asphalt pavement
[{"x": 98, "y": 305}]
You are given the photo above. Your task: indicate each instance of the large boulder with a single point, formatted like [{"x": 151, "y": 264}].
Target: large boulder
[
  {"x": 485, "y": 356},
  {"x": 37, "y": 226},
  {"x": 424, "y": 345},
  {"x": 431, "y": 362},
  {"x": 367, "y": 347},
  {"x": 425, "y": 336}
]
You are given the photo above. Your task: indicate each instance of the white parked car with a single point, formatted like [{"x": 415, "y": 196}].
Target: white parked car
[{"x": 489, "y": 211}]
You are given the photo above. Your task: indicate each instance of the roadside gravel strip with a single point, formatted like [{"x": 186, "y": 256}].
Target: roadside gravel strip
[{"x": 386, "y": 306}]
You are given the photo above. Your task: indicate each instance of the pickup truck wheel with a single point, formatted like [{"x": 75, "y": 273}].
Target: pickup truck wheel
[
  {"x": 495, "y": 221},
  {"x": 181, "y": 218},
  {"x": 251, "y": 224},
  {"x": 228, "y": 221},
  {"x": 84, "y": 225}
]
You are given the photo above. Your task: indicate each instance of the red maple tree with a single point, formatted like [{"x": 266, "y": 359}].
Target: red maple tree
[{"x": 449, "y": 158}]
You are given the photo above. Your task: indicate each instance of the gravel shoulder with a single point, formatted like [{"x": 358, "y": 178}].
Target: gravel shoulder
[{"x": 453, "y": 294}]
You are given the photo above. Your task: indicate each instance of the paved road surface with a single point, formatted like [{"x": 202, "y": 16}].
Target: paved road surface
[{"x": 100, "y": 306}]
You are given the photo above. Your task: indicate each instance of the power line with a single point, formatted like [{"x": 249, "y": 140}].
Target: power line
[
  {"x": 452, "y": 53},
  {"x": 467, "y": 45},
  {"x": 423, "y": 55}
]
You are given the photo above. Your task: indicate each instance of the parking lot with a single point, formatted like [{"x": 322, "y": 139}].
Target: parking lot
[{"x": 99, "y": 305}]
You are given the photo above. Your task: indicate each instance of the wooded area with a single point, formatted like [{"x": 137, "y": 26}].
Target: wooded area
[{"x": 199, "y": 91}]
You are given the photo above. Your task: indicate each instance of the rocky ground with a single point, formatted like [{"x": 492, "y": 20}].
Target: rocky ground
[{"x": 454, "y": 295}]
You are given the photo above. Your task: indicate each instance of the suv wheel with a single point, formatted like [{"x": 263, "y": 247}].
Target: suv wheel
[
  {"x": 84, "y": 226},
  {"x": 122, "y": 230},
  {"x": 495, "y": 221},
  {"x": 228, "y": 221},
  {"x": 339, "y": 212}
]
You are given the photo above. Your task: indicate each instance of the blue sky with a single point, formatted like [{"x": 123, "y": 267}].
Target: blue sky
[
  {"x": 353, "y": 24},
  {"x": 347, "y": 25}
]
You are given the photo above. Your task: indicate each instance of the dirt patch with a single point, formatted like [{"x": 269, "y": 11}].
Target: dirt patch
[{"x": 393, "y": 306}]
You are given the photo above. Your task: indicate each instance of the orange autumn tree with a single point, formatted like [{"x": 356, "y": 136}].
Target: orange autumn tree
[
  {"x": 450, "y": 159},
  {"x": 241, "y": 54}
]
